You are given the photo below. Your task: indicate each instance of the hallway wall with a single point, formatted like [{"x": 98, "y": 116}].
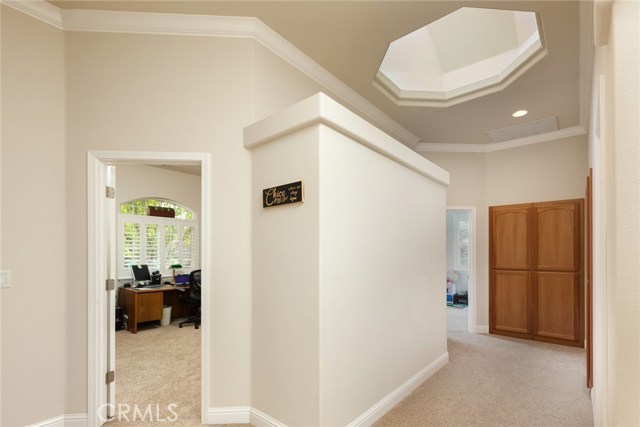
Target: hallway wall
[
  {"x": 616, "y": 156},
  {"x": 34, "y": 217},
  {"x": 65, "y": 93},
  {"x": 547, "y": 171}
]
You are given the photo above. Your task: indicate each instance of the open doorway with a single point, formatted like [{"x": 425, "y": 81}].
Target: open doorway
[
  {"x": 157, "y": 342},
  {"x": 147, "y": 362},
  {"x": 460, "y": 285}
]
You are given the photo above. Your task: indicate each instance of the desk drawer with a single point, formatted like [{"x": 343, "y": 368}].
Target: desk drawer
[{"x": 149, "y": 306}]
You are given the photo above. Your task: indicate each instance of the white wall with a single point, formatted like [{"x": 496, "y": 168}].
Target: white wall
[
  {"x": 383, "y": 276},
  {"x": 616, "y": 156},
  {"x": 286, "y": 272},
  {"x": 359, "y": 263},
  {"x": 34, "y": 216},
  {"x": 141, "y": 181},
  {"x": 547, "y": 171}
]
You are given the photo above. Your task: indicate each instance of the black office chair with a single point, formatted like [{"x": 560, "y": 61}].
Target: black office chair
[{"x": 192, "y": 297}]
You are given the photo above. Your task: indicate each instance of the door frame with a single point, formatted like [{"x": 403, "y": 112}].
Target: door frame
[
  {"x": 471, "y": 210},
  {"x": 96, "y": 270}
]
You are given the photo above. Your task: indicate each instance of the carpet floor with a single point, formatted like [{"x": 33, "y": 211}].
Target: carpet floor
[
  {"x": 457, "y": 319},
  {"x": 498, "y": 381},
  {"x": 158, "y": 372},
  {"x": 489, "y": 381}
]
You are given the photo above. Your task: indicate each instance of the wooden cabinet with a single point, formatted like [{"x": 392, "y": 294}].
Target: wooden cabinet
[
  {"x": 145, "y": 305},
  {"x": 149, "y": 307},
  {"x": 535, "y": 284},
  {"x": 511, "y": 302}
]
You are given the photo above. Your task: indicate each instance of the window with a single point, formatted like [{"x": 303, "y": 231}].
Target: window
[
  {"x": 139, "y": 207},
  {"x": 156, "y": 241},
  {"x": 461, "y": 241}
]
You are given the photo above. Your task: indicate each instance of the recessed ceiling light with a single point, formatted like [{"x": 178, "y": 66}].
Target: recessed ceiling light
[{"x": 520, "y": 113}]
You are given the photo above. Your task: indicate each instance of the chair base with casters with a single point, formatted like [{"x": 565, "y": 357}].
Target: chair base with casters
[{"x": 194, "y": 319}]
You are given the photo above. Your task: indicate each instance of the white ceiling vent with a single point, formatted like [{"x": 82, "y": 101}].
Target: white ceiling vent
[{"x": 527, "y": 129}]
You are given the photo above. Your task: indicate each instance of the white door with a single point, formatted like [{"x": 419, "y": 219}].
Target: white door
[{"x": 110, "y": 233}]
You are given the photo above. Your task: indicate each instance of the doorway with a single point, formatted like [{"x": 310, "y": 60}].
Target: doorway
[
  {"x": 158, "y": 222},
  {"x": 101, "y": 327},
  {"x": 461, "y": 273}
]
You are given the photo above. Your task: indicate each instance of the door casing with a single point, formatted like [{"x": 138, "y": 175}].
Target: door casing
[{"x": 96, "y": 269}]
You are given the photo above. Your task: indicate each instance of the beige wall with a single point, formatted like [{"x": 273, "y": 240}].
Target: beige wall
[
  {"x": 141, "y": 181},
  {"x": 541, "y": 172},
  {"x": 286, "y": 272},
  {"x": 159, "y": 93},
  {"x": 620, "y": 177},
  {"x": 359, "y": 263},
  {"x": 278, "y": 84},
  {"x": 34, "y": 218},
  {"x": 383, "y": 269},
  {"x": 123, "y": 92}
]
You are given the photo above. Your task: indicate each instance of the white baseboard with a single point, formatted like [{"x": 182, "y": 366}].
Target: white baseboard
[
  {"x": 382, "y": 407},
  {"x": 482, "y": 329},
  {"x": 76, "y": 420},
  {"x": 51, "y": 422},
  {"x": 241, "y": 415},
  {"x": 260, "y": 419},
  {"x": 69, "y": 420},
  {"x": 229, "y": 415},
  {"x": 245, "y": 414}
]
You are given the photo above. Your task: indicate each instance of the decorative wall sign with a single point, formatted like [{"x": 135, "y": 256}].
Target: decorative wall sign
[
  {"x": 283, "y": 195},
  {"x": 159, "y": 211}
]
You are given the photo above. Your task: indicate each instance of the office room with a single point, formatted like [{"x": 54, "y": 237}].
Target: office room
[{"x": 157, "y": 339}]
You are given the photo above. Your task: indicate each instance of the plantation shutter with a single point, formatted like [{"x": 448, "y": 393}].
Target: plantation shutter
[
  {"x": 157, "y": 242},
  {"x": 132, "y": 244}
]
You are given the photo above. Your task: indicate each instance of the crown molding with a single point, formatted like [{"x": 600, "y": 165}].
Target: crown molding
[
  {"x": 107, "y": 21},
  {"x": 213, "y": 26},
  {"x": 505, "y": 145},
  {"x": 38, "y": 9},
  {"x": 477, "y": 89},
  {"x": 321, "y": 109}
]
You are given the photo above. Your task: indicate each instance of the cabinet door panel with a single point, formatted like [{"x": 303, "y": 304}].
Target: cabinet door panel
[
  {"x": 557, "y": 305},
  {"x": 510, "y": 228},
  {"x": 150, "y": 306},
  {"x": 556, "y": 237},
  {"x": 510, "y": 302}
]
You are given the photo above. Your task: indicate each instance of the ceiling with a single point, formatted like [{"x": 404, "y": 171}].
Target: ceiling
[{"x": 350, "y": 39}]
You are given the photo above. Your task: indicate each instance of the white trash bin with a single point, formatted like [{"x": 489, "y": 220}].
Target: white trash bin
[{"x": 166, "y": 315}]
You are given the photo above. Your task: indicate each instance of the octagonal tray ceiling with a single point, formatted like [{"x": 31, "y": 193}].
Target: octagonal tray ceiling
[{"x": 466, "y": 54}]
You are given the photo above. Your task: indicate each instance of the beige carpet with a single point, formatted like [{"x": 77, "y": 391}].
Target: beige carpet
[
  {"x": 497, "y": 381},
  {"x": 457, "y": 319},
  {"x": 159, "y": 366},
  {"x": 490, "y": 381}
]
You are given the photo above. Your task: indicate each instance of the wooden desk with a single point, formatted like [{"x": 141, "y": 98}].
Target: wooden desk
[{"x": 145, "y": 305}]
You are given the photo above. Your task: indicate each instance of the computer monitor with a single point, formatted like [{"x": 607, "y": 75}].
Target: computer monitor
[{"x": 141, "y": 273}]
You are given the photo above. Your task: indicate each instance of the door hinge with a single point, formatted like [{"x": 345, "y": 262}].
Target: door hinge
[
  {"x": 111, "y": 284},
  {"x": 111, "y": 193},
  {"x": 111, "y": 376}
]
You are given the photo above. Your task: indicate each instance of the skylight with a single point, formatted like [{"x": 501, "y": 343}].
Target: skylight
[{"x": 466, "y": 54}]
